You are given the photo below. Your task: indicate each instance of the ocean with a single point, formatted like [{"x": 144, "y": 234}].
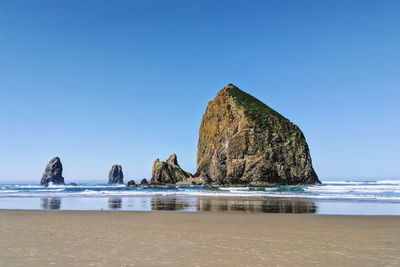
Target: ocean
[{"x": 330, "y": 197}]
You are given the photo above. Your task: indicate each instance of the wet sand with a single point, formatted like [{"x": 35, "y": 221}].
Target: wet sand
[{"x": 91, "y": 238}]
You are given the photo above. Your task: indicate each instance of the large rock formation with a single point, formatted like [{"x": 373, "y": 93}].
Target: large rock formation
[
  {"x": 116, "y": 176},
  {"x": 243, "y": 141},
  {"x": 168, "y": 172},
  {"x": 53, "y": 173}
]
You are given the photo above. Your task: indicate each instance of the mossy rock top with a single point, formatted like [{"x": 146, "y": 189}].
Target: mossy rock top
[{"x": 253, "y": 108}]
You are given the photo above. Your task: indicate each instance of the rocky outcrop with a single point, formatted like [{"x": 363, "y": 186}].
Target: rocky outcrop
[
  {"x": 243, "y": 141},
  {"x": 144, "y": 182},
  {"x": 53, "y": 173},
  {"x": 168, "y": 172},
  {"x": 116, "y": 176},
  {"x": 131, "y": 183}
]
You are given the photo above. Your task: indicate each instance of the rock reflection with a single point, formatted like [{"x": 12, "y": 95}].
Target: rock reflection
[
  {"x": 256, "y": 205},
  {"x": 169, "y": 203},
  {"x": 115, "y": 203},
  {"x": 51, "y": 203}
]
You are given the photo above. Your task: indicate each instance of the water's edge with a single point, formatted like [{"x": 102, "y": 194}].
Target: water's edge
[{"x": 334, "y": 197}]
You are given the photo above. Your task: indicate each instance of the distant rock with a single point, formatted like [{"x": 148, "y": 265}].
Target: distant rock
[
  {"x": 116, "y": 176},
  {"x": 72, "y": 184},
  {"x": 131, "y": 183},
  {"x": 53, "y": 173},
  {"x": 144, "y": 182},
  {"x": 168, "y": 172},
  {"x": 244, "y": 141}
]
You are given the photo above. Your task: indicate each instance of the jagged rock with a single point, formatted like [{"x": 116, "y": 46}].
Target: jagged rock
[
  {"x": 243, "y": 141},
  {"x": 168, "y": 172},
  {"x": 144, "y": 182},
  {"x": 116, "y": 176},
  {"x": 53, "y": 173},
  {"x": 131, "y": 183}
]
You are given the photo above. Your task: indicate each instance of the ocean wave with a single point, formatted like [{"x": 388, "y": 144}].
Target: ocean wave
[
  {"x": 348, "y": 188},
  {"x": 92, "y": 193},
  {"x": 69, "y": 186},
  {"x": 234, "y": 188},
  {"x": 388, "y": 182},
  {"x": 345, "y": 182},
  {"x": 387, "y": 190}
]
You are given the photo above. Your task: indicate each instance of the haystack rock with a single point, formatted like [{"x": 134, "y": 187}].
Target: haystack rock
[
  {"x": 53, "y": 173},
  {"x": 168, "y": 172},
  {"x": 243, "y": 141},
  {"x": 116, "y": 176}
]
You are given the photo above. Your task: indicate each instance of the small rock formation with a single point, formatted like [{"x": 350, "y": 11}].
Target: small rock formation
[
  {"x": 53, "y": 173},
  {"x": 116, "y": 176},
  {"x": 131, "y": 183},
  {"x": 168, "y": 172},
  {"x": 144, "y": 182},
  {"x": 243, "y": 141}
]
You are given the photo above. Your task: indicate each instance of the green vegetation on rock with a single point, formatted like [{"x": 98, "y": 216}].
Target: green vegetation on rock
[{"x": 254, "y": 109}]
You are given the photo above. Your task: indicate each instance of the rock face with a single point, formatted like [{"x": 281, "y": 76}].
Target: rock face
[
  {"x": 243, "y": 141},
  {"x": 116, "y": 176},
  {"x": 53, "y": 173},
  {"x": 144, "y": 182},
  {"x": 168, "y": 172},
  {"x": 131, "y": 183}
]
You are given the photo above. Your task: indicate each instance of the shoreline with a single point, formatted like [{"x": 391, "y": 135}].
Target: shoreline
[
  {"x": 186, "y": 204},
  {"x": 119, "y": 238},
  {"x": 196, "y": 212}
]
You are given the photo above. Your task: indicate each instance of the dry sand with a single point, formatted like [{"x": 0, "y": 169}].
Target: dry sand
[{"x": 75, "y": 238}]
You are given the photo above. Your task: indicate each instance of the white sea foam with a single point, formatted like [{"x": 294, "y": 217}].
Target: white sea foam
[
  {"x": 388, "y": 182},
  {"x": 92, "y": 193},
  {"x": 342, "y": 182},
  {"x": 388, "y": 190},
  {"x": 68, "y": 186},
  {"x": 233, "y": 188}
]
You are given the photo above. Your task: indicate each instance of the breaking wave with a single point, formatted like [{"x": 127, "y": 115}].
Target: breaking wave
[{"x": 383, "y": 190}]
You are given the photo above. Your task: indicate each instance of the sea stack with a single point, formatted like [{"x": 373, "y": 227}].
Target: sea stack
[
  {"x": 116, "y": 176},
  {"x": 144, "y": 182},
  {"x": 53, "y": 173},
  {"x": 243, "y": 141},
  {"x": 168, "y": 172},
  {"x": 131, "y": 183}
]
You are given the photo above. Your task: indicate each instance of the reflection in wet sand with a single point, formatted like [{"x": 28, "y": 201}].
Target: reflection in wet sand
[
  {"x": 51, "y": 203},
  {"x": 259, "y": 205},
  {"x": 169, "y": 203},
  {"x": 115, "y": 203},
  {"x": 200, "y": 204},
  {"x": 256, "y": 205}
]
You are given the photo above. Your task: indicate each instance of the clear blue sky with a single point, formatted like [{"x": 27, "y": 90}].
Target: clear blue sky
[{"x": 105, "y": 82}]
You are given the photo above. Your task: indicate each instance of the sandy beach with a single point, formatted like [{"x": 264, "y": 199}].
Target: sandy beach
[{"x": 82, "y": 238}]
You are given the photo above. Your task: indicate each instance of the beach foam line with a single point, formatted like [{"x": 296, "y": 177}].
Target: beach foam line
[
  {"x": 388, "y": 182},
  {"x": 90, "y": 193}
]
